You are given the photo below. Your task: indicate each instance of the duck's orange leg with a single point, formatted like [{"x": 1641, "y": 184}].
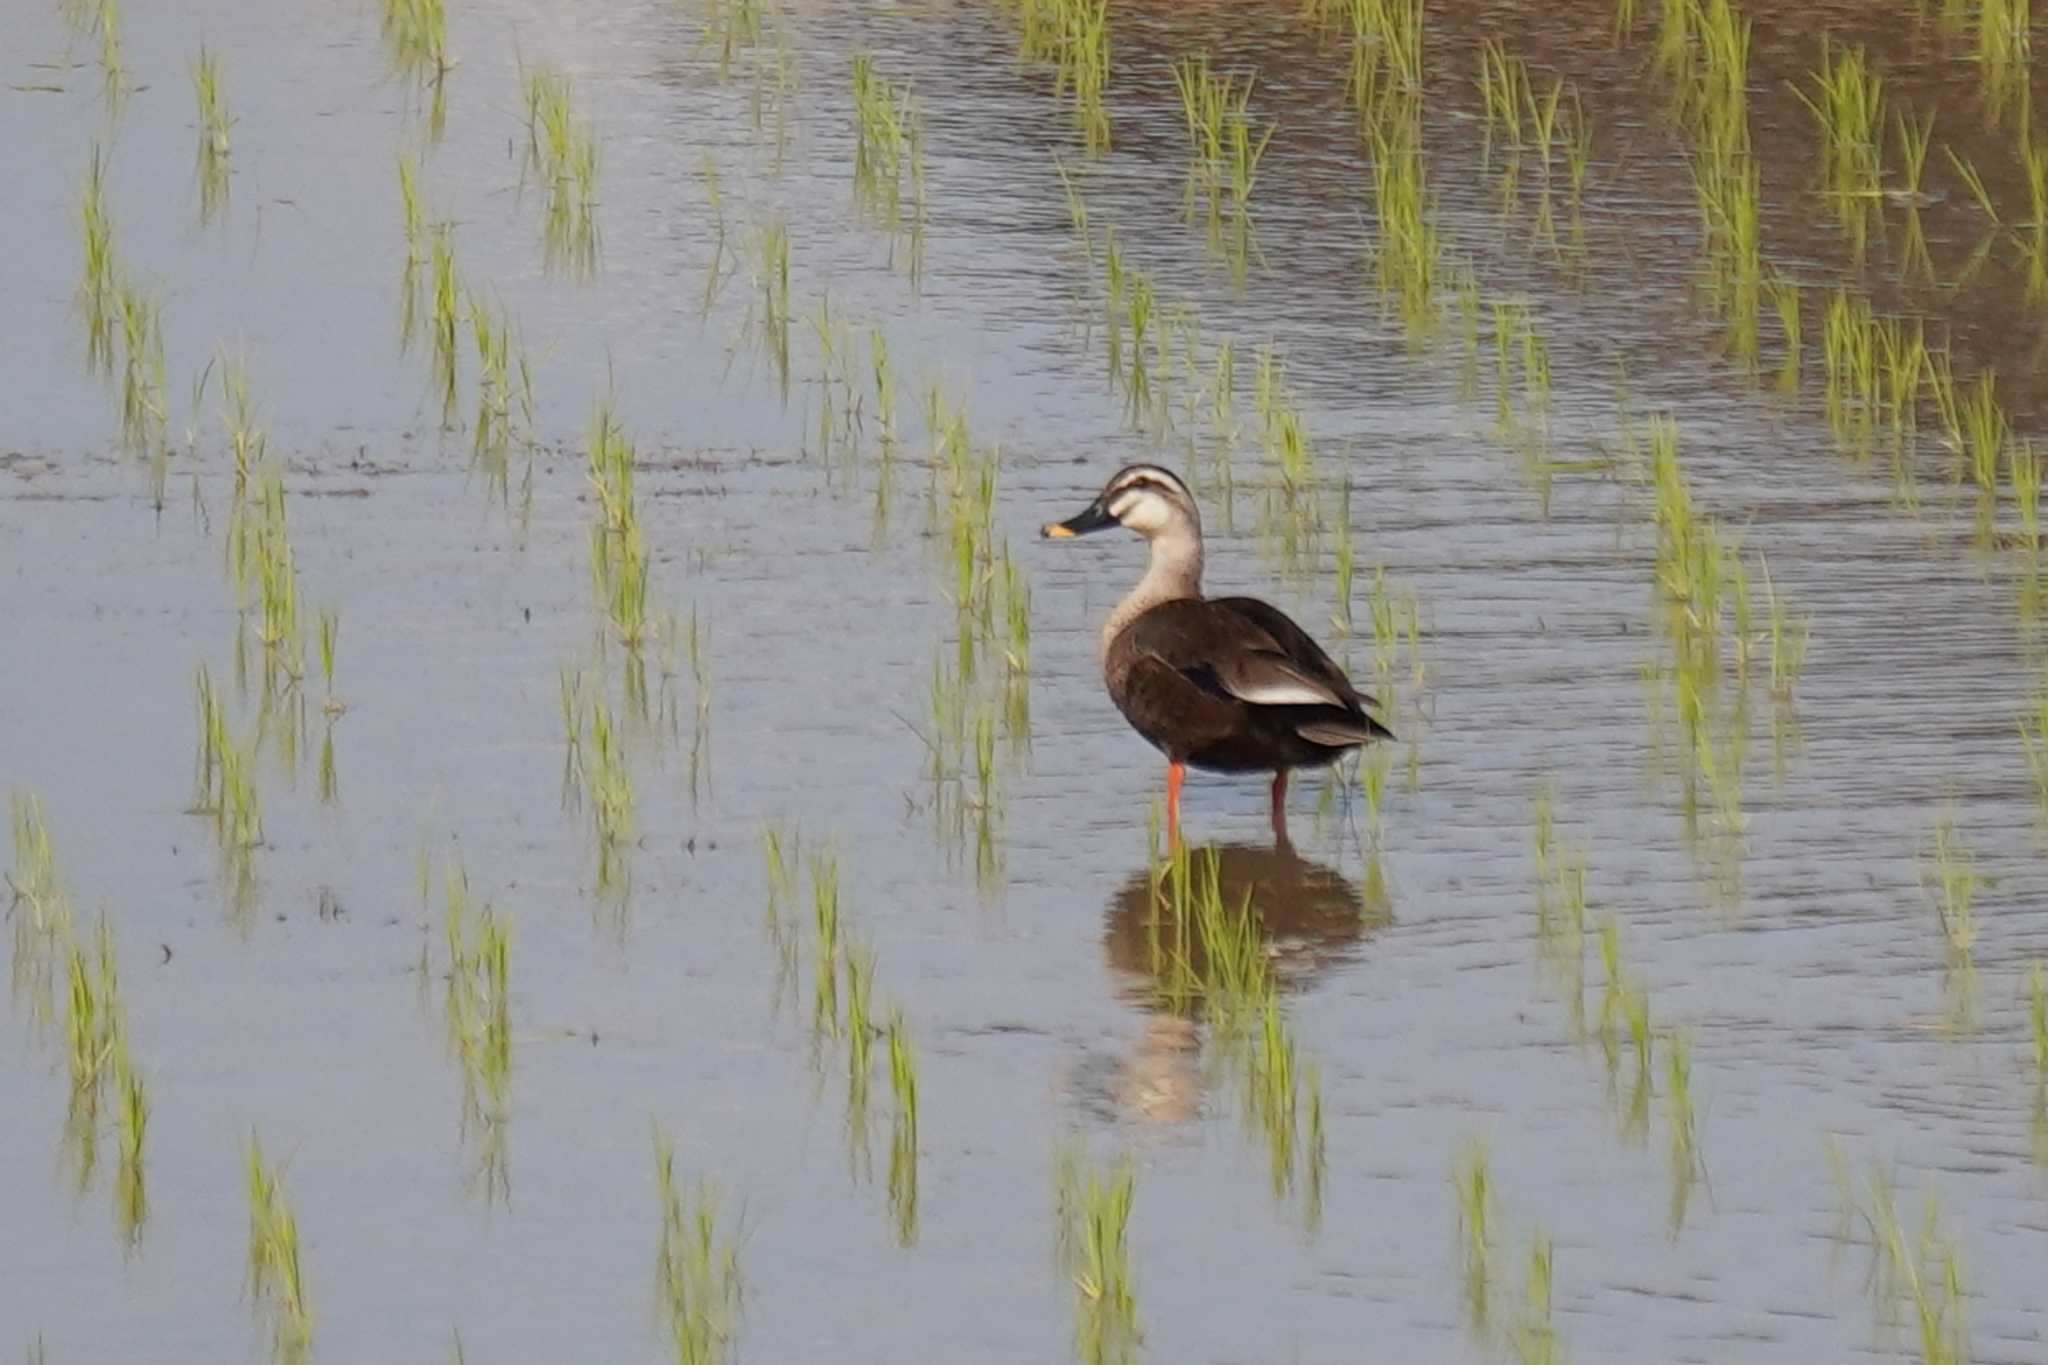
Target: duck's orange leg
[
  {"x": 1176, "y": 773},
  {"x": 1280, "y": 807}
]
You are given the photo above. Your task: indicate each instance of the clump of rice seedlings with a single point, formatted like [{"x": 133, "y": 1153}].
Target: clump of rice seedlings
[
  {"x": 1916, "y": 1277},
  {"x": 771, "y": 268},
  {"x": 1914, "y": 136},
  {"x": 1686, "y": 1166},
  {"x": 1986, "y": 431},
  {"x": 1725, "y": 173},
  {"x": 1407, "y": 248},
  {"x": 444, "y": 325},
  {"x": 1949, "y": 876},
  {"x": 561, "y": 151},
  {"x": 477, "y": 1011},
  {"x": 732, "y": 27},
  {"x": 1093, "y": 1207},
  {"x": 275, "y": 1280},
  {"x": 416, "y": 36},
  {"x": 903, "y": 1150},
  {"x": 210, "y": 164},
  {"x": 1533, "y": 1336},
  {"x": 2004, "y": 56},
  {"x": 1081, "y": 53},
  {"x": 1625, "y": 1010},
  {"x": 1848, "y": 104},
  {"x": 1472, "y": 1182},
  {"x": 699, "y": 1291},
  {"x": 99, "y": 277},
  {"x": 40, "y": 911},
  {"x": 504, "y": 402},
  {"x": 619, "y": 558},
  {"x": 698, "y": 641},
  {"x": 100, "y": 20},
  {"x": 1385, "y": 66},
  {"x": 888, "y": 147},
  {"x": 226, "y": 790},
  {"x": 824, "y": 946},
  {"x": 1561, "y": 907},
  {"x": 1211, "y": 954},
  {"x": 144, "y": 417},
  {"x": 1225, "y": 146}
]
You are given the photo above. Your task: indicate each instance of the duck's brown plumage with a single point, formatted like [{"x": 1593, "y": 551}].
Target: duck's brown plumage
[{"x": 1188, "y": 674}]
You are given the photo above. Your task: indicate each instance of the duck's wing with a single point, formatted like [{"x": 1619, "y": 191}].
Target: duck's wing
[{"x": 1301, "y": 661}]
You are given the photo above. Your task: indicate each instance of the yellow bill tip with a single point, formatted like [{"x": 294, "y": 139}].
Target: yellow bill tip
[{"x": 1053, "y": 530}]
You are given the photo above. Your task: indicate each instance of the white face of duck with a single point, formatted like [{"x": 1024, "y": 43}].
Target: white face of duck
[{"x": 1143, "y": 498}]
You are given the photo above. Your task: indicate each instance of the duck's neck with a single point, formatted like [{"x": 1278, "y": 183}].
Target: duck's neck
[{"x": 1174, "y": 571}]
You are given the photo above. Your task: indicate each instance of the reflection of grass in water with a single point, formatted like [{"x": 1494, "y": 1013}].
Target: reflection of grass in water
[
  {"x": 2037, "y": 1028},
  {"x": 698, "y": 1288},
  {"x": 1949, "y": 876},
  {"x": 2004, "y": 53},
  {"x": 1073, "y": 35},
  {"x": 1915, "y": 1277},
  {"x": 504, "y": 402},
  {"x": 40, "y": 911},
  {"x": 274, "y": 1274},
  {"x": 225, "y": 774},
  {"x": 1092, "y": 1206}
]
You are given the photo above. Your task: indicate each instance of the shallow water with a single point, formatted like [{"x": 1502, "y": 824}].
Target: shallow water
[{"x": 1813, "y": 998}]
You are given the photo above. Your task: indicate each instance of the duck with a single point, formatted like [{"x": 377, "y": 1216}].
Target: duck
[{"x": 1223, "y": 684}]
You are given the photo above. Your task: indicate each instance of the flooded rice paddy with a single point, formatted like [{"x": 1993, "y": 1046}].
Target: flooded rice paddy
[{"x": 559, "y": 810}]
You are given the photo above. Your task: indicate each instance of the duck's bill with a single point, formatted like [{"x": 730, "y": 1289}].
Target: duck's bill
[{"x": 1095, "y": 517}]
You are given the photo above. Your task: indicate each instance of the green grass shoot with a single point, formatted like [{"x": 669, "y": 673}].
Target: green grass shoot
[
  {"x": 562, "y": 153},
  {"x": 210, "y": 165}
]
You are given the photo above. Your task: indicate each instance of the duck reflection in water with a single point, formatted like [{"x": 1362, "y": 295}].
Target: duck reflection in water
[{"x": 1299, "y": 919}]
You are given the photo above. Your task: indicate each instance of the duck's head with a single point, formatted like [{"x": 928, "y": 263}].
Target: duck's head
[{"x": 1142, "y": 497}]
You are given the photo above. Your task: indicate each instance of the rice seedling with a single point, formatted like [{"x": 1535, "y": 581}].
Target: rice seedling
[
  {"x": 1225, "y": 146},
  {"x": 608, "y": 791},
  {"x": 1785, "y": 301},
  {"x": 477, "y": 1011},
  {"x": 888, "y": 146},
  {"x": 225, "y": 776},
  {"x": 1847, "y": 103},
  {"x": 1788, "y": 637},
  {"x": 144, "y": 417},
  {"x": 1473, "y": 1184},
  {"x": 100, "y": 20},
  {"x": 1916, "y": 1278},
  {"x": 210, "y": 166},
  {"x": 1949, "y": 877},
  {"x": 274, "y": 1277},
  {"x": 2023, "y": 475},
  {"x": 1385, "y": 67},
  {"x": 903, "y": 1149},
  {"x": 824, "y": 946},
  {"x": 1093, "y": 1208},
  {"x": 40, "y": 911},
  {"x": 698, "y": 640},
  {"x": 619, "y": 559},
  {"x": 1687, "y": 1168},
  {"x": 99, "y": 276},
  {"x": 562, "y": 153},
  {"x": 699, "y": 1291},
  {"x": 2004, "y": 58},
  {"x": 1407, "y": 248},
  {"x": 444, "y": 327},
  {"x": 1914, "y": 137},
  {"x": 504, "y": 402},
  {"x": 733, "y": 27},
  {"x": 1081, "y": 53},
  {"x": 1986, "y": 432},
  {"x": 416, "y": 38},
  {"x": 1725, "y": 173},
  {"x": 1966, "y": 170},
  {"x": 1534, "y": 1336},
  {"x": 771, "y": 243}
]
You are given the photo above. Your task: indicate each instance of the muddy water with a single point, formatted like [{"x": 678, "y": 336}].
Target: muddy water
[{"x": 1813, "y": 999}]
